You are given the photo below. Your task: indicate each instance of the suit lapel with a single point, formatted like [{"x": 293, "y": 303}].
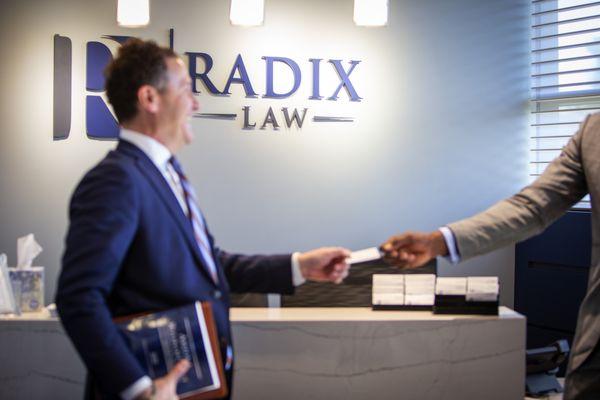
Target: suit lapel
[{"x": 162, "y": 188}]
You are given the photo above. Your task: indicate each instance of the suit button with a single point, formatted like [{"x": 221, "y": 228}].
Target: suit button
[{"x": 217, "y": 294}]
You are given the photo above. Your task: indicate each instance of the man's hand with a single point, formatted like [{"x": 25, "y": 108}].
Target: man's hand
[
  {"x": 165, "y": 388},
  {"x": 413, "y": 249},
  {"x": 327, "y": 264}
]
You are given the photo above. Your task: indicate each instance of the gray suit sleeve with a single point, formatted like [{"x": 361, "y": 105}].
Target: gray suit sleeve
[{"x": 531, "y": 210}]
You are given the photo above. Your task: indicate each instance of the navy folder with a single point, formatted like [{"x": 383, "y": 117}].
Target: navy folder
[{"x": 159, "y": 340}]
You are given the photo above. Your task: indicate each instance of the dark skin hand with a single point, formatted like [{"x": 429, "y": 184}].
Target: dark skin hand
[{"x": 413, "y": 249}]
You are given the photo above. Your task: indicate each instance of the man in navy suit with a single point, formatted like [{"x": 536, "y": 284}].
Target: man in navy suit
[{"x": 138, "y": 242}]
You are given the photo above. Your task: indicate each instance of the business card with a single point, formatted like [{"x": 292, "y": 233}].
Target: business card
[{"x": 365, "y": 255}]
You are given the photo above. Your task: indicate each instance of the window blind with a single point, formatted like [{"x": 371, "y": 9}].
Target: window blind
[{"x": 565, "y": 76}]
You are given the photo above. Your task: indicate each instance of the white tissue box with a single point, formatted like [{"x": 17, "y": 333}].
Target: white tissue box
[{"x": 28, "y": 288}]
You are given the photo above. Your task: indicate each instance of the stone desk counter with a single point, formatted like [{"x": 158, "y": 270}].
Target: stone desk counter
[
  {"x": 311, "y": 353},
  {"x": 357, "y": 353}
]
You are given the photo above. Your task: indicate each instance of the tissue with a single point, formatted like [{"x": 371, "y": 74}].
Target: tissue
[
  {"x": 27, "y": 250},
  {"x": 28, "y": 281}
]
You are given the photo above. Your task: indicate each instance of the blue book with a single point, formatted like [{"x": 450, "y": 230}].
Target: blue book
[{"x": 159, "y": 340}]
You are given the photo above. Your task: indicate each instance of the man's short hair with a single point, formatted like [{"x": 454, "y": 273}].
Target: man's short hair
[{"x": 138, "y": 63}]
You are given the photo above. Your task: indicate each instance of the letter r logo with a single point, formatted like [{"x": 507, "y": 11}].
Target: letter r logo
[{"x": 99, "y": 122}]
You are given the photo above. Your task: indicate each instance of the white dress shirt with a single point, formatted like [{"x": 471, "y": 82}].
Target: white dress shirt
[
  {"x": 160, "y": 156},
  {"x": 453, "y": 255}
]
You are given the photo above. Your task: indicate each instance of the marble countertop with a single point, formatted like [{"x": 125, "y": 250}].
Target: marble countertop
[
  {"x": 318, "y": 353},
  {"x": 352, "y": 314},
  {"x": 37, "y": 316},
  {"x": 249, "y": 314}
]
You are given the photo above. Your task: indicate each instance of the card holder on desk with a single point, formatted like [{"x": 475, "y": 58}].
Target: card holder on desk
[
  {"x": 467, "y": 295},
  {"x": 403, "y": 292},
  {"x": 158, "y": 340},
  {"x": 389, "y": 307},
  {"x": 457, "y": 304}
]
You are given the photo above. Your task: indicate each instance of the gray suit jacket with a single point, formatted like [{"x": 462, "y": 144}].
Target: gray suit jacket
[{"x": 567, "y": 179}]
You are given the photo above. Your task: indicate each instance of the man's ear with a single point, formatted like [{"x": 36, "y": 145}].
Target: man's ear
[{"x": 148, "y": 99}]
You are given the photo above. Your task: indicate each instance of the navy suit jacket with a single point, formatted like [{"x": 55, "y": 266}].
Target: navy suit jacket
[{"x": 130, "y": 249}]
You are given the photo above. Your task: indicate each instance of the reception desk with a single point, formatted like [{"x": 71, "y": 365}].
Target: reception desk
[{"x": 311, "y": 353}]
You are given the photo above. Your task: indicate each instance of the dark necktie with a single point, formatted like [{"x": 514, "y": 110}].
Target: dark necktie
[{"x": 196, "y": 219}]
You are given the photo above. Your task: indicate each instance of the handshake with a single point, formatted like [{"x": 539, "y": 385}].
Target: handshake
[{"x": 407, "y": 250}]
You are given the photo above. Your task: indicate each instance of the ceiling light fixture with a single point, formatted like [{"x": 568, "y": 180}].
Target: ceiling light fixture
[
  {"x": 247, "y": 12},
  {"x": 133, "y": 13},
  {"x": 371, "y": 12}
]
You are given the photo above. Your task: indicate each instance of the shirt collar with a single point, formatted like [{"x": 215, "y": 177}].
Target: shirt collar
[{"x": 155, "y": 150}]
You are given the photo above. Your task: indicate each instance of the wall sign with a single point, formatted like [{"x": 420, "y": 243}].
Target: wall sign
[{"x": 101, "y": 124}]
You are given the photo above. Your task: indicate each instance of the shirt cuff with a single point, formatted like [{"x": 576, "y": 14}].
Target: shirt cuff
[
  {"x": 135, "y": 389},
  {"x": 450, "y": 240},
  {"x": 297, "y": 278}
]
